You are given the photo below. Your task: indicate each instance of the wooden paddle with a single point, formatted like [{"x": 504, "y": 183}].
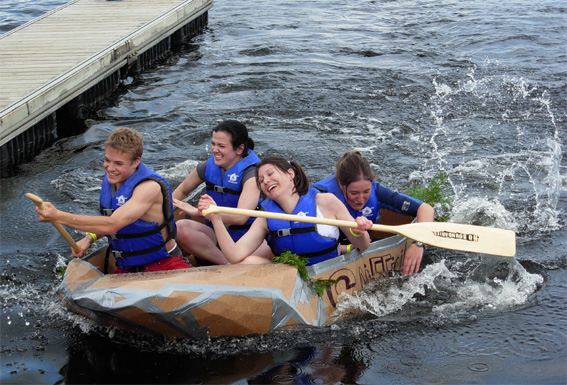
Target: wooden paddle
[
  {"x": 454, "y": 236},
  {"x": 39, "y": 203}
]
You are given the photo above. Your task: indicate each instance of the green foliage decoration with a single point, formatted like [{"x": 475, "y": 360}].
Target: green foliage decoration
[
  {"x": 435, "y": 193},
  {"x": 317, "y": 285}
]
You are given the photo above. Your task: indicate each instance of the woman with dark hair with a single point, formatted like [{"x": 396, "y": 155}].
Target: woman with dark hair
[
  {"x": 286, "y": 188},
  {"x": 229, "y": 178},
  {"x": 355, "y": 185}
]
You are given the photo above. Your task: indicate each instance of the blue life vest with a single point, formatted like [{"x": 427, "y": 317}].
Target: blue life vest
[
  {"x": 380, "y": 197},
  {"x": 140, "y": 242},
  {"x": 225, "y": 188},
  {"x": 299, "y": 237}
]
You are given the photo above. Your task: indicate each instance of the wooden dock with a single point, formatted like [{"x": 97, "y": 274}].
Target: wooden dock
[{"x": 57, "y": 58}]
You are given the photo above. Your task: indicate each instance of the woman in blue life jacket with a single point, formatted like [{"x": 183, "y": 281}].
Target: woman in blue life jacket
[
  {"x": 286, "y": 188},
  {"x": 355, "y": 185},
  {"x": 229, "y": 177}
]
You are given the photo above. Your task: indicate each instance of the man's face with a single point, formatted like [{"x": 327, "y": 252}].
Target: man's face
[{"x": 119, "y": 166}]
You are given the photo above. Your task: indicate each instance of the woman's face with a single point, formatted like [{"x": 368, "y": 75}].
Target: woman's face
[
  {"x": 357, "y": 193},
  {"x": 274, "y": 182},
  {"x": 224, "y": 154}
]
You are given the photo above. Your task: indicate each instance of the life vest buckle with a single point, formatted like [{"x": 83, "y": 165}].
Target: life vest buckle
[
  {"x": 283, "y": 232},
  {"x": 218, "y": 189}
]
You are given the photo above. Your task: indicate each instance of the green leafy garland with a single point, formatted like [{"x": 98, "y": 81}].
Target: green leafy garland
[
  {"x": 436, "y": 194},
  {"x": 317, "y": 285}
]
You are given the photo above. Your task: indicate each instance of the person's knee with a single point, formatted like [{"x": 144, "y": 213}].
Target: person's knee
[
  {"x": 264, "y": 251},
  {"x": 184, "y": 231}
]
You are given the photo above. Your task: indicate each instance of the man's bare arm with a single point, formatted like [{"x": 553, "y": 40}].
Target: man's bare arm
[{"x": 145, "y": 195}]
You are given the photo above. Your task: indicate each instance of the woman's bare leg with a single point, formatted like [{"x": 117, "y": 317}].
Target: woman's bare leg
[
  {"x": 199, "y": 240},
  {"x": 264, "y": 251}
]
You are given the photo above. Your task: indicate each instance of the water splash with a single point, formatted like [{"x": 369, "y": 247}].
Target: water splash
[
  {"x": 485, "y": 290},
  {"x": 444, "y": 292},
  {"x": 482, "y": 212},
  {"x": 57, "y": 312},
  {"x": 483, "y": 137},
  {"x": 34, "y": 306},
  {"x": 79, "y": 185},
  {"x": 385, "y": 297},
  {"x": 179, "y": 171}
]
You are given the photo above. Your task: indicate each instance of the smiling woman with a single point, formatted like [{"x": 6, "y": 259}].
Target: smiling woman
[
  {"x": 354, "y": 184},
  {"x": 229, "y": 178},
  {"x": 287, "y": 190}
]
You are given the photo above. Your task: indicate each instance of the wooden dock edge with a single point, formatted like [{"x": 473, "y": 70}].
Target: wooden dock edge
[{"x": 39, "y": 119}]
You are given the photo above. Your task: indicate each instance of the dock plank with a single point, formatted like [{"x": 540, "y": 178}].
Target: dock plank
[{"x": 48, "y": 61}]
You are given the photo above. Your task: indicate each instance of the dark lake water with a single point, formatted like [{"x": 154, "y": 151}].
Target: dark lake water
[{"x": 477, "y": 90}]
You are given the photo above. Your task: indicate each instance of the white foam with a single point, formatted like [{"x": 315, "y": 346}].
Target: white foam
[
  {"x": 391, "y": 299},
  {"x": 388, "y": 297},
  {"x": 483, "y": 212},
  {"x": 178, "y": 171},
  {"x": 496, "y": 294}
]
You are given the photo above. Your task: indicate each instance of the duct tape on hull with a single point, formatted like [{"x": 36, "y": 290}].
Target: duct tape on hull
[
  {"x": 206, "y": 301},
  {"x": 228, "y": 300}
]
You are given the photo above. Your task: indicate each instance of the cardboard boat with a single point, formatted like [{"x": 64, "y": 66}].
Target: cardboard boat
[{"x": 228, "y": 300}]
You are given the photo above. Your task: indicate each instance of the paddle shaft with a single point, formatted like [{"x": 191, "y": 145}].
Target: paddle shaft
[
  {"x": 39, "y": 203},
  {"x": 454, "y": 236}
]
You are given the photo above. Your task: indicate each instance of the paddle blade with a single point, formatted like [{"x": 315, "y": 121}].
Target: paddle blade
[{"x": 456, "y": 236}]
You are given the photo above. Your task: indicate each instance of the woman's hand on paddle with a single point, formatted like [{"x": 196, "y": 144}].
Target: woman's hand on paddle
[
  {"x": 412, "y": 260},
  {"x": 364, "y": 224},
  {"x": 204, "y": 202},
  {"x": 359, "y": 236},
  {"x": 48, "y": 213}
]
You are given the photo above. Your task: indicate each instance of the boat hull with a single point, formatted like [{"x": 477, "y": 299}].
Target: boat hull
[{"x": 228, "y": 300}]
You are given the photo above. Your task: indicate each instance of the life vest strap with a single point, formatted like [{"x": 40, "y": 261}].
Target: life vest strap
[
  {"x": 106, "y": 212},
  {"x": 297, "y": 230},
  {"x": 322, "y": 252},
  {"x": 125, "y": 254},
  {"x": 238, "y": 227},
  {"x": 221, "y": 189},
  {"x": 143, "y": 234}
]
